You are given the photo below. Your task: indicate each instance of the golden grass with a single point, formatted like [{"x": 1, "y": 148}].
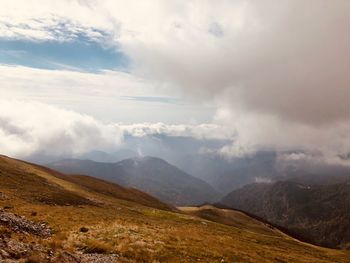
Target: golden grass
[{"x": 142, "y": 234}]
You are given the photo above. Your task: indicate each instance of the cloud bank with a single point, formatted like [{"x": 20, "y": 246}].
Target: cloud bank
[
  {"x": 278, "y": 72},
  {"x": 30, "y": 128}
]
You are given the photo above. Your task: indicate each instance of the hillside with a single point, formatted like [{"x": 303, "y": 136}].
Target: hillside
[
  {"x": 82, "y": 224},
  {"x": 116, "y": 191},
  {"x": 151, "y": 175},
  {"x": 231, "y": 218},
  {"x": 317, "y": 213}
]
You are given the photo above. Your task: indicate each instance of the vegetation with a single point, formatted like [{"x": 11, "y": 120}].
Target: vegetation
[
  {"x": 138, "y": 233},
  {"x": 317, "y": 213}
]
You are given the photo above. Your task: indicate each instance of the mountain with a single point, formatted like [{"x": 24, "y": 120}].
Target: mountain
[
  {"x": 149, "y": 174},
  {"x": 46, "y": 216},
  {"x": 317, "y": 213},
  {"x": 196, "y": 157},
  {"x": 226, "y": 175},
  {"x": 20, "y": 178}
]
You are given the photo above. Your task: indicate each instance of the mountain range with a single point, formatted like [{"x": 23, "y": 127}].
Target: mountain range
[
  {"x": 319, "y": 213},
  {"x": 149, "y": 174}
]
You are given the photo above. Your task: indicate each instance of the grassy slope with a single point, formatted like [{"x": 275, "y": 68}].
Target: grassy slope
[
  {"x": 140, "y": 233},
  {"x": 115, "y": 190}
]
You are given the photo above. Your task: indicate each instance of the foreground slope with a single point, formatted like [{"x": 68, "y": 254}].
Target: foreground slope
[
  {"x": 42, "y": 185},
  {"x": 317, "y": 213},
  {"x": 84, "y": 225},
  {"x": 149, "y": 174}
]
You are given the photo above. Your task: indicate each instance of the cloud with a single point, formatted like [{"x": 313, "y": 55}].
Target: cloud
[
  {"x": 48, "y": 21},
  {"x": 278, "y": 72},
  {"x": 204, "y": 131},
  {"x": 255, "y": 132},
  {"x": 262, "y": 180},
  {"x": 289, "y": 59},
  {"x": 28, "y": 128},
  {"x": 101, "y": 95}
]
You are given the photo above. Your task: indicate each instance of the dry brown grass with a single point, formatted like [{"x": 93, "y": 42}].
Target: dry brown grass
[
  {"x": 97, "y": 246},
  {"x": 142, "y": 234},
  {"x": 34, "y": 259}
]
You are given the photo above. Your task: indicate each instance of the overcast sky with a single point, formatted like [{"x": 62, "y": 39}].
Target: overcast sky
[{"x": 265, "y": 74}]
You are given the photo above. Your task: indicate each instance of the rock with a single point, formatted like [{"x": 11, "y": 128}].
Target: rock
[
  {"x": 84, "y": 229},
  {"x": 22, "y": 225},
  {"x": 88, "y": 258},
  {"x": 34, "y": 213},
  {"x": 3, "y": 196},
  {"x": 4, "y": 254}
]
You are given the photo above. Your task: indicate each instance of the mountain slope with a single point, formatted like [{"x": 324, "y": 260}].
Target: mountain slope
[
  {"x": 116, "y": 191},
  {"x": 55, "y": 188},
  {"x": 232, "y": 218},
  {"x": 151, "y": 175},
  {"x": 318, "y": 213},
  {"x": 91, "y": 226}
]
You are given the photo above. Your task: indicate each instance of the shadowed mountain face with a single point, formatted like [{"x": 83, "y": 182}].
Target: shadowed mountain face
[
  {"x": 151, "y": 175},
  {"x": 317, "y": 213}
]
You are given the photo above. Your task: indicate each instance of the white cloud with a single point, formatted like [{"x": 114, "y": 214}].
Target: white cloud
[
  {"x": 40, "y": 20},
  {"x": 263, "y": 180},
  {"x": 256, "y": 131},
  {"x": 198, "y": 131},
  {"x": 101, "y": 95},
  {"x": 30, "y": 128}
]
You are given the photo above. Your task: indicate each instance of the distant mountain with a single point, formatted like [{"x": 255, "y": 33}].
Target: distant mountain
[
  {"x": 149, "y": 174},
  {"x": 100, "y": 156},
  {"x": 225, "y": 174},
  {"x": 317, "y": 213}
]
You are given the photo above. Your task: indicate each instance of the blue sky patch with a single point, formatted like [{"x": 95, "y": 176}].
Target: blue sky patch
[{"x": 78, "y": 54}]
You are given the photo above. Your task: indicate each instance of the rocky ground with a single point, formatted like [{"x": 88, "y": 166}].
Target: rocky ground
[
  {"x": 19, "y": 224},
  {"x": 18, "y": 248}
]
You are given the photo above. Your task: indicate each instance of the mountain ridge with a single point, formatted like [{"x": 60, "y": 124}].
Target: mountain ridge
[
  {"x": 149, "y": 174},
  {"x": 318, "y": 213}
]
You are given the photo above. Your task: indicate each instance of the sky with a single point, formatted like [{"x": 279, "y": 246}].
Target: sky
[{"x": 77, "y": 75}]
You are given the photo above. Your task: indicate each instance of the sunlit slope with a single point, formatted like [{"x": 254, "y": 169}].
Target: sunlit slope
[
  {"x": 40, "y": 184},
  {"x": 133, "y": 232},
  {"x": 232, "y": 218}
]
